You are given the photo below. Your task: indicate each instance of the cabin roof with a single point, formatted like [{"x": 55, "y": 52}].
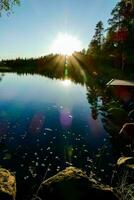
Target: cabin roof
[{"x": 117, "y": 82}]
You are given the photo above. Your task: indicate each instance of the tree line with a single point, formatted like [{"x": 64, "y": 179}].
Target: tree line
[
  {"x": 112, "y": 46},
  {"x": 115, "y": 45}
]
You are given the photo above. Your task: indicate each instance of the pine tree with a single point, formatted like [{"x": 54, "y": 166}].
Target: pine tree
[
  {"x": 96, "y": 43},
  {"x": 120, "y": 37}
]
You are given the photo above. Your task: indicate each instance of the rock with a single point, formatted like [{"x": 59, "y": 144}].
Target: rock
[
  {"x": 73, "y": 184},
  {"x": 127, "y": 132},
  {"x": 7, "y": 185}
]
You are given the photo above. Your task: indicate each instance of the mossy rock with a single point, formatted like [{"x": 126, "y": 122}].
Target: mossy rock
[
  {"x": 7, "y": 185},
  {"x": 74, "y": 184}
]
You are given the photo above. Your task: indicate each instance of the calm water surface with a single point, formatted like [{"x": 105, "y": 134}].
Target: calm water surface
[{"x": 46, "y": 125}]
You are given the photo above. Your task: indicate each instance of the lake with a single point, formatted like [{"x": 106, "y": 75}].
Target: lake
[{"x": 49, "y": 124}]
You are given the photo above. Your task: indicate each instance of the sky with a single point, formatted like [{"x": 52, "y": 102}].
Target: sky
[{"x": 34, "y": 25}]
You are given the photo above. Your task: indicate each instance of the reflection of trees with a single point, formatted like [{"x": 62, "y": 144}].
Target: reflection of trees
[
  {"x": 110, "y": 124},
  {"x": 112, "y": 113},
  {"x": 115, "y": 110},
  {"x": 1, "y": 76},
  {"x": 52, "y": 66},
  {"x": 75, "y": 68},
  {"x": 92, "y": 96}
]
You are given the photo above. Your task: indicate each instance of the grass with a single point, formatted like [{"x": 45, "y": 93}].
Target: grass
[{"x": 125, "y": 191}]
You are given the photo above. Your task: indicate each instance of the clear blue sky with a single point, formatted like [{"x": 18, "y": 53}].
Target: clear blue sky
[{"x": 30, "y": 30}]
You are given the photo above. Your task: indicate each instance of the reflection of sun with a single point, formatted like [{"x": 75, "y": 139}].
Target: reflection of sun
[
  {"x": 66, "y": 82},
  {"x": 65, "y": 44}
]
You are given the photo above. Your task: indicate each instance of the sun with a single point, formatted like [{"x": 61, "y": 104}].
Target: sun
[
  {"x": 65, "y": 44},
  {"x": 66, "y": 82}
]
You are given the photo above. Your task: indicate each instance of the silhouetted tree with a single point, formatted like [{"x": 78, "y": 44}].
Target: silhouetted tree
[
  {"x": 121, "y": 29},
  {"x": 6, "y": 5},
  {"x": 97, "y": 41},
  {"x": 122, "y": 15}
]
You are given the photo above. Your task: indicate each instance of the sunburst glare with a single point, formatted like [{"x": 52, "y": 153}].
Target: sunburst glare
[
  {"x": 66, "y": 82},
  {"x": 65, "y": 44}
]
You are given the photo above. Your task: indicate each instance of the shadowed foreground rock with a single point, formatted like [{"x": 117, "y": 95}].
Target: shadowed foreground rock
[
  {"x": 7, "y": 185},
  {"x": 73, "y": 184}
]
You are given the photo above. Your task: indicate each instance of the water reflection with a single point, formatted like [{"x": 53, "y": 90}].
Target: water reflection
[
  {"x": 48, "y": 124},
  {"x": 1, "y": 76},
  {"x": 93, "y": 99}
]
